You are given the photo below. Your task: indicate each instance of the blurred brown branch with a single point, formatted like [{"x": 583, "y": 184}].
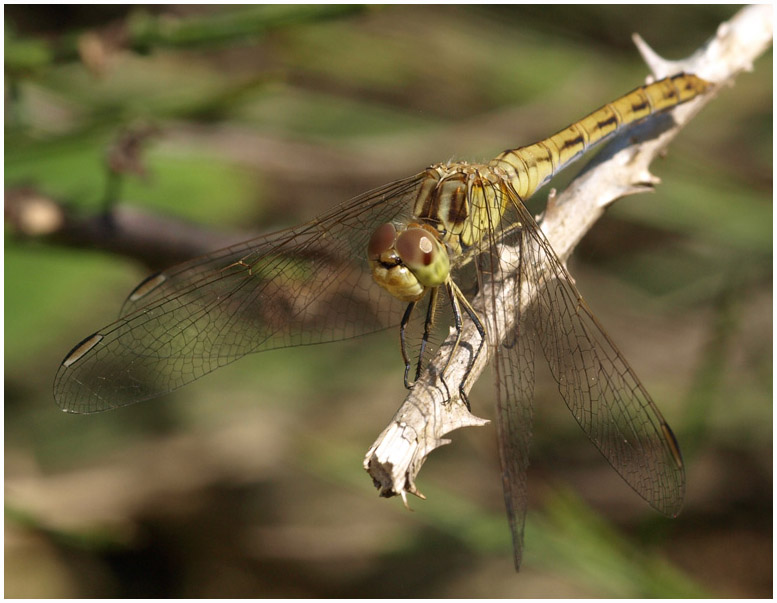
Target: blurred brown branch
[{"x": 154, "y": 240}]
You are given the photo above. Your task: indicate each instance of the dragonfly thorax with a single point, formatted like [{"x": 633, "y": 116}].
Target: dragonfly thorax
[
  {"x": 409, "y": 261},
  {"x": 462, "y": 201}
]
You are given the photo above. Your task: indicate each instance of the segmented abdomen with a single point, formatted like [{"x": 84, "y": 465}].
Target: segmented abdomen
[{"x": 529, "y": 167}]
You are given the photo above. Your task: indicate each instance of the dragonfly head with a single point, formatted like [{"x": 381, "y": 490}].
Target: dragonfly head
[{"x": 408, "y": 262}]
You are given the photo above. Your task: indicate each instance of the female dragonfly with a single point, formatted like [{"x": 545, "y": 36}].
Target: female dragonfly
[{"x": 395, "y": 255}]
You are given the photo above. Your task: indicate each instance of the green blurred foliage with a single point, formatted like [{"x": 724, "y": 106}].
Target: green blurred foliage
[{"x": 248, "y": 482}]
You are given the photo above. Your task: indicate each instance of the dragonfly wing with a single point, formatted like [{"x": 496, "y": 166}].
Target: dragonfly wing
[
  {"x": 513, "y": 344},
  {"x": 598, "y": 385},
  {"x": 304, "y": 285},
  {"x": 514, "y": 374}
]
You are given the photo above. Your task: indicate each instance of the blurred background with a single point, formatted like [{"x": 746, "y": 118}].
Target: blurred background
[{"x": 249, "y": 483}]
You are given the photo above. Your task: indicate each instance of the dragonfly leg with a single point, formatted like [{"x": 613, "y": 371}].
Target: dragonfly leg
[
  {"x": 457, "y": 301},
  {"x": 402, "y": 326},
  {"x": 482, "y": 332},
  {"x": 428, "y": 324}
]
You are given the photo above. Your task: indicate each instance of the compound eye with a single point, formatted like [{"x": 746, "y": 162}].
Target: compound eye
[
  {"x": 416, "y": 247},
  {"x": 381, "y": 241}
]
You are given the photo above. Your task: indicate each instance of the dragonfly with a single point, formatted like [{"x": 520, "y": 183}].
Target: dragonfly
[{"x": 405, "y": 254}]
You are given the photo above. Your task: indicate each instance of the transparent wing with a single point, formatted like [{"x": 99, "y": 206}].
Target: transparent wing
[
  {"x": 514, "y": 374},
  {"x": 598, "y": 385},
  {"x": 513, "y": 366},
  {"x": 304, "y": 285}
]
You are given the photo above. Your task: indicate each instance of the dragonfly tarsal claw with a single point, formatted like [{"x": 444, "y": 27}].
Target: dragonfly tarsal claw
[
  {"x": 408, "y": 384},
  {"x": 465, "y": 399}
]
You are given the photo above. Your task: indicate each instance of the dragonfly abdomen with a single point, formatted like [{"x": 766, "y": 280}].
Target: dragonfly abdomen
[{"x": 529, "y": 167}]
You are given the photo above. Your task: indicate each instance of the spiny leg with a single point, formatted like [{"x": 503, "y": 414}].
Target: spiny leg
[
  {"x": 457, "y": 300},
  {"x": 402, "y": 346},
  {"x": 428, "y": 324},
  {"x": 481, "y": 331}
]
